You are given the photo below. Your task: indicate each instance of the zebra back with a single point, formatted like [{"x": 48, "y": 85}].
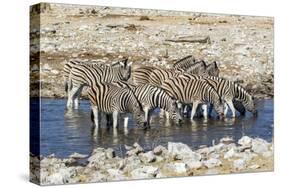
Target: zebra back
[
  {"x": 90, "y": 74},
  {"x": 184, "y": 62},
  {"x": 198, "y": 68},
  {"x": 191, "y": 90}
]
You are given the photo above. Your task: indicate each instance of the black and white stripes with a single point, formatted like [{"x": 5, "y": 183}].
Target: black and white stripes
[
  {"x": 88, "y": 75},
  {"x": 113, "y": 100}
]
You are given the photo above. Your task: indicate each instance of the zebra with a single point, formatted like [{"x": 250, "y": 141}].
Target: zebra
[
  {"x": 152, "y": 97},
  {"x": 112, "y": 99},
  {"x": 153, "y": 75},
  {"x": 88, "y": 75},
  {"x": 67, "y": 68},
  {"x": 195, "y": 92},
  {"x": 184, "y": 62},
  {"x": 229, "y": 91}
]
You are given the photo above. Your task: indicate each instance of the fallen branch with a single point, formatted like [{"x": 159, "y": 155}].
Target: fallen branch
[{"x": 192, "y": 39}]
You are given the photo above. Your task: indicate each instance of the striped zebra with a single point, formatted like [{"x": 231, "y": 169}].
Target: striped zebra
[
  {"x": 152, "y": 97},
  {"x": 88, "y": 75},
  {"x": 153, "y": 75},
  {"x": 156, "y": 77},
  {"x": 229, "y": 91},
  {"x": 184, "y": 63},
  {"x": 112, "y": 99},
  {"x": 193, "y": 91},
  {"x": 198, "y": 68},
  {"x": 68, "y": 66}
]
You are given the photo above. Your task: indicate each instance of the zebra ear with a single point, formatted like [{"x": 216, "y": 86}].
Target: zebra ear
[
  {"x": 204, "y": 63},
  {"x": 130, "y": 64},
  {"x": 215, "y": 63},
  {"x": 123, "y": 62}
]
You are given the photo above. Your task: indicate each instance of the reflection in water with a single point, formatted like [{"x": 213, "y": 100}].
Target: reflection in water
[{"x": 65, "y": 132}]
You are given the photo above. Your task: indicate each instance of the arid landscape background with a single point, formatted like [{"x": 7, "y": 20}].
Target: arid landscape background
[{"x": 242, "y": 45}]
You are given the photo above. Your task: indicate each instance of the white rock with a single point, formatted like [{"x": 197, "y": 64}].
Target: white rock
[
  {"x": 116, "y": 174},
  {"x": 267, "y": 154},
  {"x": 144, "y": 172},
  {"x": 259, "y": 146},
  {"x": 159, "y": 150},
  {"x": 176, "y": 167},
  {"x": 194, "y": 164},
  {"x": 255, "y": 166},
  {"x": 239, "y": 164},
  {"x": 109, "y": 153},
  {"x": 245, "y": 141},
  {"x": 147, "y": 157},
  {"x": 229, "y": 154},
  {"x": 179, "y": 150},
  {"x": 77, "y": 156},
  {"x": 62, "y": 176},
  {"x": 211, "y": 163},
  {"x": 160, "y": 175}
]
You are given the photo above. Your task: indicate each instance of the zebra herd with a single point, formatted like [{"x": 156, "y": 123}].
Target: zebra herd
[{"x": 117, "y": 88}]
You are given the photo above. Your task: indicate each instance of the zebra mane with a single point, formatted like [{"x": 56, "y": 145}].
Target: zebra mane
[
  {"x": 119, "y": 63},
  {"x": 188, "y": 59}
]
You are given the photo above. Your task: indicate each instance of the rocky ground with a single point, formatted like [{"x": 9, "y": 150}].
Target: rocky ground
[
  {"x": 248, "y": 155},
  {"x": 243, "y": 45}
]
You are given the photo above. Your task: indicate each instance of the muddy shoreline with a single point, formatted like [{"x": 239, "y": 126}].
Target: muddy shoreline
[{"x": 175, "y": 160}]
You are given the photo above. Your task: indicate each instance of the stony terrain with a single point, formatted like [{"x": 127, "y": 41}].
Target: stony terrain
[
  {"x": 243, "y": 45},
  {"x": 248, "y": 155}
]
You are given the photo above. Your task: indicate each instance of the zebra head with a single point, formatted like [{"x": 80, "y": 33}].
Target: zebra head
[
  {"x": 213, "y": 69},
  {"x": 123, "y": 69},
  {"x": 140, "y": 118},
  {"x": 250, "y": 104},
  {"x": 219, "y": 108},
  {"x": 174, "y": 111}
]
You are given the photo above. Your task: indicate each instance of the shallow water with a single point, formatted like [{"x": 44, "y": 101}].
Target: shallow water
[{"x": 65, "y": 132}]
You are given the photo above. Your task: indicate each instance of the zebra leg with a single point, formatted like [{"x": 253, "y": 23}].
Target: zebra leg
[
  {"x": 71, "y": 96},
  {"x": 115, "y": 119},
  {"x": 193, "y": 111},
  {"x": 146, "y": 115},
  {"x": 108, "y": 120},
  {"x": 167, "y": 115},
  {"x": 231, "y": 106},
  {"x": 210, "y": 110},
  {"x": 185, "y": 109},
  {"x": 96, "y": 115},
  {"x": 205, "y": 112},
  {"x": 225, "y": 108}
]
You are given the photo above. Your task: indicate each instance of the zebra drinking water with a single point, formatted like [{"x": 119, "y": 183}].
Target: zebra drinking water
[
  {"x": 114, "y": 100},
  {"x": 152, "y": 97},
  {"x": 195, "y": 92}
]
